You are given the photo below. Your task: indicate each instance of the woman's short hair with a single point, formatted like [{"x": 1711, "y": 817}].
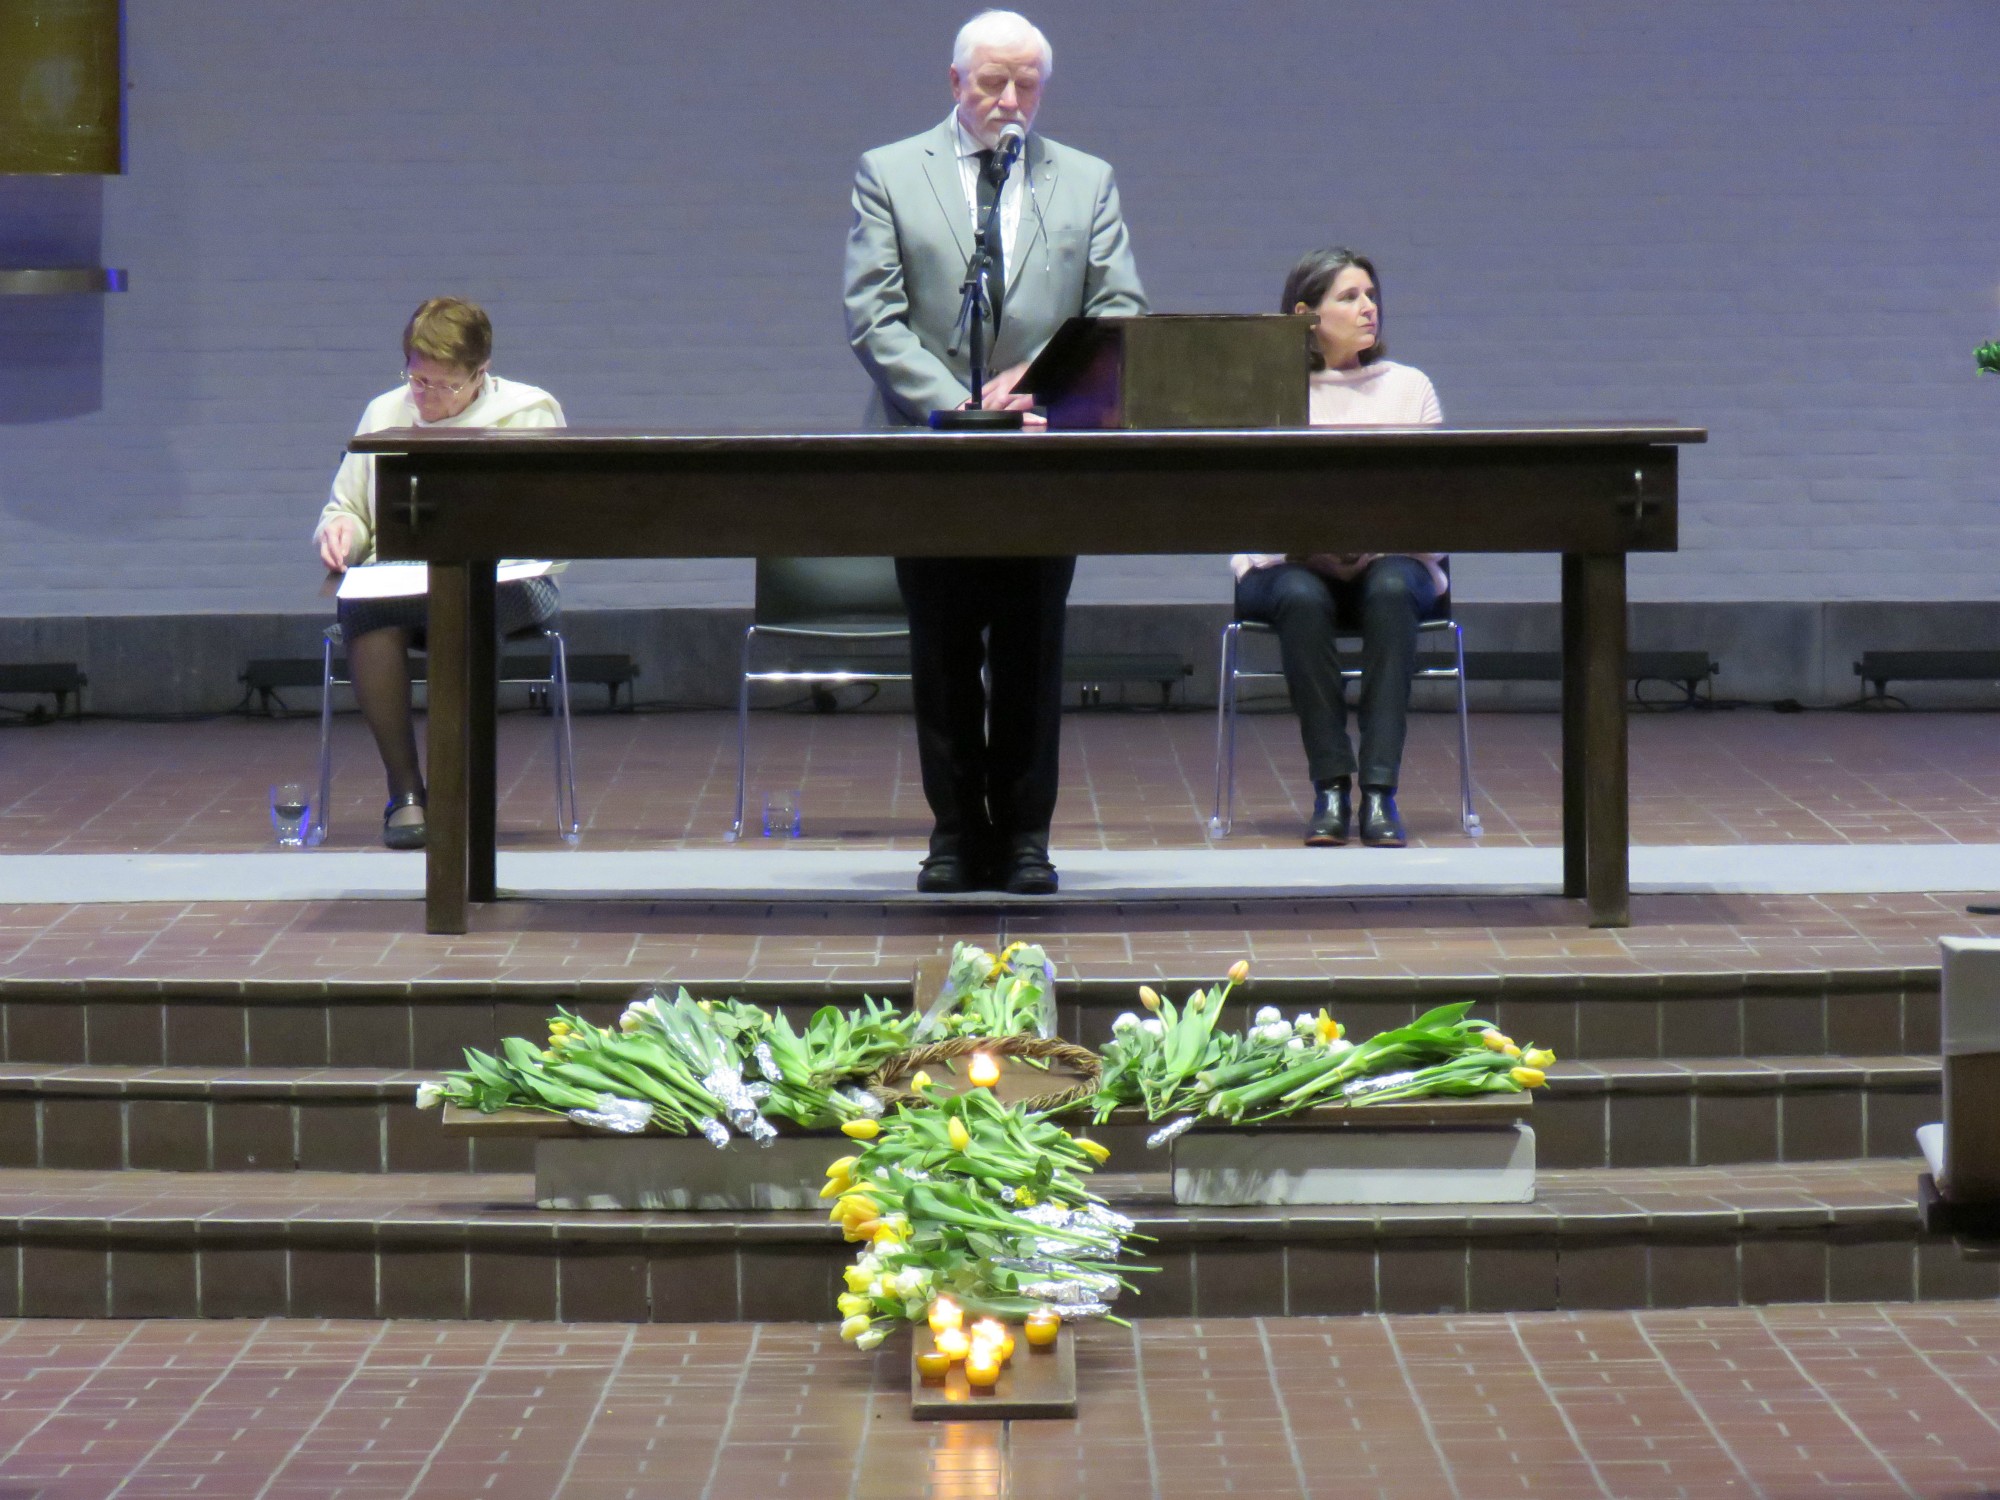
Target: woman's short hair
[
  {"x": 1313, "y": 277},
  {"x": 451, "y": 331}
]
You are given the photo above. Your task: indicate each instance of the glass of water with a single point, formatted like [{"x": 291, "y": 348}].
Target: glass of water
[
  {"x": 781, "y": 815},
  {"x": 291, "y": 814}
]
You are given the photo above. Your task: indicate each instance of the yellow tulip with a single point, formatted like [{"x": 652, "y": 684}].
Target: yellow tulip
[
  {"x": 559, "y": 1028},
  {"x": 920, "y": 1082},
  {"x": 1327, "y": 1029},
  {"x": 863, "y": 1129},
  {"x": 1148, "y": 998},
  {"x": 850, "y": 1304},
  {"x": 835, "y": 1187},
  {"x": 861, "y": 1229},
  {"x": 856, "y": 1278},
  {"x": 1528, "y": 1078},
  {"x": 1511, "y": 1050},
  {"x": 1095, "y": 1150},
  {"x": 1496, "y": 1041},
  {"x": 854, "y": 1327},
  {"x": 857, "y": 1206},
  {"x": 1196, "y": 1002},
  {"x": 843, "y": 1168},
  {"x": 1538, "y": 1057},
  {"x": 960, "y": 1136},
  {"x": 886, "y": 1233},
  {"x": 1239, "y": 971}
]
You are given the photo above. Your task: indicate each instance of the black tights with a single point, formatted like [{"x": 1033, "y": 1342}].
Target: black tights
[{"x": 378, "y": 664}]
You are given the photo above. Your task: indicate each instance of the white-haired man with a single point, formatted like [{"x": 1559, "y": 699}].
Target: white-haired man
[{"x": 990, "y": 772}]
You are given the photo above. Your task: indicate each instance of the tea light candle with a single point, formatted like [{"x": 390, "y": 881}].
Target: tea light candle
[
  {"x": 954, "y": 1344},
  {"x": 982, "y": 1366},
  {"x": 983, "y": 1070},
  {"x": 1041, "y": 1329},
  {"x": 945, "y": 1313},
  {"x": 995, "y": 1333},
  {"x": 933, "y": 1364}
]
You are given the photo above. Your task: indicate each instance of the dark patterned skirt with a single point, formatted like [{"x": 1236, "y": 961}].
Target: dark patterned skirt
[{"x": 517, "y": 606}]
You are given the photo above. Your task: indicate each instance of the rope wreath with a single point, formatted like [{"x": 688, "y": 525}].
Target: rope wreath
[{"x": 886, "y": 1083}]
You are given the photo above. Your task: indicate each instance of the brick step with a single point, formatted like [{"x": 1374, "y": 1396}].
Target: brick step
[
  {"x": 1637, "y": 1113},
  {"x": 1867, "y": 1012},
  {"x": 313, "y": 1245}
]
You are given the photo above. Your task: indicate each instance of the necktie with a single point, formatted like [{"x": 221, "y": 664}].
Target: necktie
[{"x": 989, "y": 192}]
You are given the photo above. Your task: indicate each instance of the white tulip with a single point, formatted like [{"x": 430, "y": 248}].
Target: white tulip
[
  {"x": 1154, "y": 1026},
  {"x": 1270, "y": 1015},
  {"x": 429, "y": 1095},
  {"x": 1126, "y": 1022}
]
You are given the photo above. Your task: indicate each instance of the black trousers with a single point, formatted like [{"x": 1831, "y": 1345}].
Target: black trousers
[
  {"x": 1307, "y": 609},
  {"x": 990, "y": 769}
]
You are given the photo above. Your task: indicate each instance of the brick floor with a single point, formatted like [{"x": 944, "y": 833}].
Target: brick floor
[
  {"x": 1783, "y": 1401},
  {"x": 1130, "y": 780}
]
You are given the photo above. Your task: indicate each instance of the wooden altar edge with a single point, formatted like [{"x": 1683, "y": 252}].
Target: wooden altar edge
[{"x": 1495, "y": 1110}]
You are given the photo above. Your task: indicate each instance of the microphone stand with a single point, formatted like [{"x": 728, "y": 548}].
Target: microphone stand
[{"x": 975, "y": 307}]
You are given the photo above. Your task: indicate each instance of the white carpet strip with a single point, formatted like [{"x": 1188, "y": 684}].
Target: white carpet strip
[{"x": 763, "y": 872}]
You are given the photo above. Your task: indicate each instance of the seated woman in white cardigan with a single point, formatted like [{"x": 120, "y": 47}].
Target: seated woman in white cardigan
[
  {"x": 1384, "y": 596},
  {"x": 446, "y": 348}
]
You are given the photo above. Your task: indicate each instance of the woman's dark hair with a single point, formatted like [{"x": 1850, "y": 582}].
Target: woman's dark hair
[{"x": 1313, "y": 277}]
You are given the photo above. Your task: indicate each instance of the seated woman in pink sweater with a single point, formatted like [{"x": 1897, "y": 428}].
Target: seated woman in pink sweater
[{"x": 1383, "y": 596}]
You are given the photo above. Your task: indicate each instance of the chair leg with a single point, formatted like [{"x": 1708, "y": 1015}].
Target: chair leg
[
  {"x": 742, "y": 732},
  {"x": 317, "y": 833},
  {"x": 1223, "y": 815},
  {"x": 1467, "y": 818},
  {"x": 568, "y": 824}
]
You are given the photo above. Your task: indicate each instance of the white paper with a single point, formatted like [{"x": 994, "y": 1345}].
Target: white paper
[{"x": 412, "y": 580}]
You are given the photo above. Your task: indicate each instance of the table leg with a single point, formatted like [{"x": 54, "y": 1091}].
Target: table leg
[
  {"x": 448, "y": 674},
  {"x": 482, "y": 672},
  {"x": 1574, "y": 825},
  {"x": 1607, "y": 805}
]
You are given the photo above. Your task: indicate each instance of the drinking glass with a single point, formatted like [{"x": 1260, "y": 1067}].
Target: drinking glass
[
  {"x": 291, "y": 814},
  {"x": 781, "y": 815}
]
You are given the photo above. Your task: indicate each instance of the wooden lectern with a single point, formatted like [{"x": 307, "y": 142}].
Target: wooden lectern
[{"x": 1175, "y": 370}]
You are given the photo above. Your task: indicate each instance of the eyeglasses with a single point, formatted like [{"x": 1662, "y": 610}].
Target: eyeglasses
[{"x": 423, "y": 387}]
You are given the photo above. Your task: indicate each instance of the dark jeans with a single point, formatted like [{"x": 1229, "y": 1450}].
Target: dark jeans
[
  {"x": 1385, "y": 604},
  {"x": 990, "y": 770}
]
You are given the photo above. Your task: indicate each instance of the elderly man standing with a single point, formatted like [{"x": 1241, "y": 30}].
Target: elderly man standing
[{"x": 989, "y": 771}]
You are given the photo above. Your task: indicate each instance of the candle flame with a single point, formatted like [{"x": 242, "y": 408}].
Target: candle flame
[{"x": 983, "y": 1070}]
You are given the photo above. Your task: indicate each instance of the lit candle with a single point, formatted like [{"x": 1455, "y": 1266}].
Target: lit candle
[
  {"x": 954, "y": 1344},
  {"x": 982, "y": 1366},
  {"x": 933, "y": 1364},
  {"x": 995, "y": 1333},
  {"x": 1042, "y": 1328},
  {"x": 945, "y": 1313},
  {"x": 983, "y": 1070}
]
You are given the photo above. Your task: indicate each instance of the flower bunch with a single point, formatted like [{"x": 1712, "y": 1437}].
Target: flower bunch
[
  {"x": 686, "y": 1066},
  {"x": 1012, "y": 993},
  {"x": 1442, "y": 1052},
  {"x": 1155, "y": 1061},
  {"x": 969, "y": 1197}
]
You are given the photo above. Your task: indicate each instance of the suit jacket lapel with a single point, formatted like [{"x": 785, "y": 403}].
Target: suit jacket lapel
[
  {"x": 1039, "y": 172},
  {"x": 941, "y": 167}
]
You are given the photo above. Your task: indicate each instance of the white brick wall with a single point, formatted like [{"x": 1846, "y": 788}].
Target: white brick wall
[{"x": 1776, "y": 218}]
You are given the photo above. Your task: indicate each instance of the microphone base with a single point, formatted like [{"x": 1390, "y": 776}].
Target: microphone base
[{"x": 976, "y": 419}]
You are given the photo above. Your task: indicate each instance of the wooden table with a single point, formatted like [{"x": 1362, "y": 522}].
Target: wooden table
[{"x": 461, "y": 499}]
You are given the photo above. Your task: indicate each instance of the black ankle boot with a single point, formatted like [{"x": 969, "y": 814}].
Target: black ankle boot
[
  {"x": 1332, "y": 814},
  {"x": 1381, "y": 825}
]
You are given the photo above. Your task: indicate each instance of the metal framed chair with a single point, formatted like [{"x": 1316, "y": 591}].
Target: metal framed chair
[
  {"x": 1223, "y": 816},
  {"x": 553, "y": 685},
  {"x": 837, "y": 599}
]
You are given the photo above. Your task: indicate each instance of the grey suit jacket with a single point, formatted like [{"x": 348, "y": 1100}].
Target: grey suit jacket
[{"x": 907, "y": 252}]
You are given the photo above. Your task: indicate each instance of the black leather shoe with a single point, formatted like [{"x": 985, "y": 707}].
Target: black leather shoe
[
  {"x": 1029, "y": 873},
  {"x": 943, "y": 875},
  {"x": 403, "y": 835},
  {"x": 1333, "y": 814},
  {"x": 1381, "y": 826}
]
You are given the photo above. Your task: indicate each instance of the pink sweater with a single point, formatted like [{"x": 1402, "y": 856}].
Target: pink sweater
[{"x": 1384, "y": 394}]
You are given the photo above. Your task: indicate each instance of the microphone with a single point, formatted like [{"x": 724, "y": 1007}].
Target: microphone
[{"x": 1013, "y": 136}]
